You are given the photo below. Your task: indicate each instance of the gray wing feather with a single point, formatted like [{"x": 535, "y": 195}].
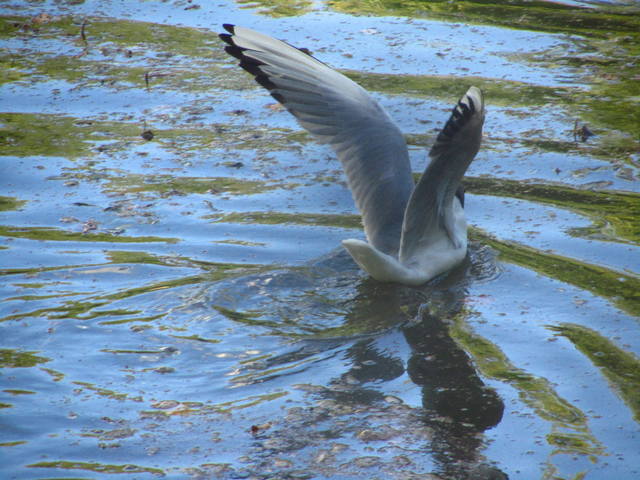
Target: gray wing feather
[
  {"x": 430, "y": 209},
  {"x": 339, "y": 112}
]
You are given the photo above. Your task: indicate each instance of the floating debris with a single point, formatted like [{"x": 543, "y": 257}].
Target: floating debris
[
  {"x": 147, "y": 135},
  {"x": 583, "y": 133}
]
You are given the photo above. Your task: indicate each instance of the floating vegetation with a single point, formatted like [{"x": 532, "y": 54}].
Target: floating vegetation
[
  {"x": 11, "y": 203},
  {"x": 104, "y": 392},
  {"x": 242, "y": 403},
  {"x": 521, "y": 14},
  {"x": 58, "y": 235},
  {"x": 30, "y": 134},
  {"x": 280, "y": 218},
  {"x": 11, "y": 444},
  {"x": 610, "y": 37},
  {"x": 164, "y": 184},
  {"x": 615, "y": 214},
  {"x": 197, "y": 338},
  {"x": 119, "y": 45},
  {"x": 10, "y": 358},
  {"x": 621, "y": 368},
  {"x": 278, "y": 8},
  {"x": 620, "y": 289},
  {"x": 567, "y": 420},
  {"x": 98, "y": 467},
  {"x": 446, "y": 87}
]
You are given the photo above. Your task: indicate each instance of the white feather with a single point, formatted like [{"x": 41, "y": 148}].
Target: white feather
[{"x": 414, "y": 234}]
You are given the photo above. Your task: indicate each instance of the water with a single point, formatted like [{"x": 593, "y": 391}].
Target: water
[{"x": 179, "y": 307}]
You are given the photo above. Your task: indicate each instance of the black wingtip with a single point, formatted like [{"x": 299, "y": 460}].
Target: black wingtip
[
  {"x": 226, "y": 38},
  {"x": 250, "y": 64},
  {"x": 472, "y": 104},
  {"x": 461, "y": 115},
  {"x": 234, "y": 51},
  {"x": 264, "y": 81}
]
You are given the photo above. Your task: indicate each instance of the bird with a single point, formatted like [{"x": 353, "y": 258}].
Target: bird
[{"x": 414, "y": 231}]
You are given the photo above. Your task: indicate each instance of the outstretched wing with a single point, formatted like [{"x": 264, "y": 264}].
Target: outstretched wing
[
  {"x": 430, "y": 209},
  {"x": 339, "y": 112}
]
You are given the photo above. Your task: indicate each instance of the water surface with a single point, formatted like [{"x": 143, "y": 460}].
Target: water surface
[{"x": 174, "y": 299}]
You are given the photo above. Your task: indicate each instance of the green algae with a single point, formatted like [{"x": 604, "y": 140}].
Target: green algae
[
  {"x": 55, "y": 375},
  {"x": 10, "y": 358},
  {"x": 450, "y": 88},
  {"x": 150, "y": 318},
  {"x": 168, "y": 52},
  {"x": 215, "y": 270},
  {"x": 95, "y": 307},
  {"x": 178, "y": 40},
  {"x": 124, "y": 256},
  {"x": 39, "y": 134},
  {"x": 619, "y": 367},
  {"x": 12, "y": 444},
  {"x": 197, "y": 338},
  {"x": 51, "y": 135},
  {"x": 607, "y": 111},
  {"x": 278, "y": 8},
  {"x": 14, "y": 391},
  {"x": 58, "y": 235},
  {"x": 252, "y": 401},
  {"x": 98, "y": 468},
  {"x": 30, "y": 285},
  {"x": 37, "y": 270},
  {"x": 10, "y": 203},
  {"x": 110, "y": 74},
  {"x": 251, "y": 318},
  {"x": 614, "y": 214},
  {"x": 610, "y": 39},
  {"x": 30, "y": 134},
  {"x": 69, "y": 309},
  {"x": 619, "y": 288},
  {"x": 170, "y": 184},
  {"x": 243, "y": 243},
  {"x": 104, "y": 392},
  {"x": 610, "y": 105},
  {"x": 536, "y": 15},
  {"x": 280, "y": 218},
  {"x": 574, "y": 443},
  {"x": 570, "y": 433},
  {"x": 153, "y": 287},
  {"x": 535, "y": 391},
  {"x": 28, "y": 298}
]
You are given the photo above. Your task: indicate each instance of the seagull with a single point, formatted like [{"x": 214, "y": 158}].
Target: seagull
[{"x": 414, "y": 232}]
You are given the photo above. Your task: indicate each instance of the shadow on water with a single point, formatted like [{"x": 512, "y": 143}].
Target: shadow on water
[{"x": 456, "y": 404}]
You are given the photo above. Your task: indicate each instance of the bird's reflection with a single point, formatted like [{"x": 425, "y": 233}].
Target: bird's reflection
[
  {"x": 450, "y": 384},
  {"x": 457, "y": 405}
]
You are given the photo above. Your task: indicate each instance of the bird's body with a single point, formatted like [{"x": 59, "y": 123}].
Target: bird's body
[{"x": 414, "y": 233}]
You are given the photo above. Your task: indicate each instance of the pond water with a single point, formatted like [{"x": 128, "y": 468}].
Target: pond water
[{"x": 174, "y": 299}]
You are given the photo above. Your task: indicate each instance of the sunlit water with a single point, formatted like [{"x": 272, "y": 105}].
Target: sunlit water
[{"x": 178, "y": 306}]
